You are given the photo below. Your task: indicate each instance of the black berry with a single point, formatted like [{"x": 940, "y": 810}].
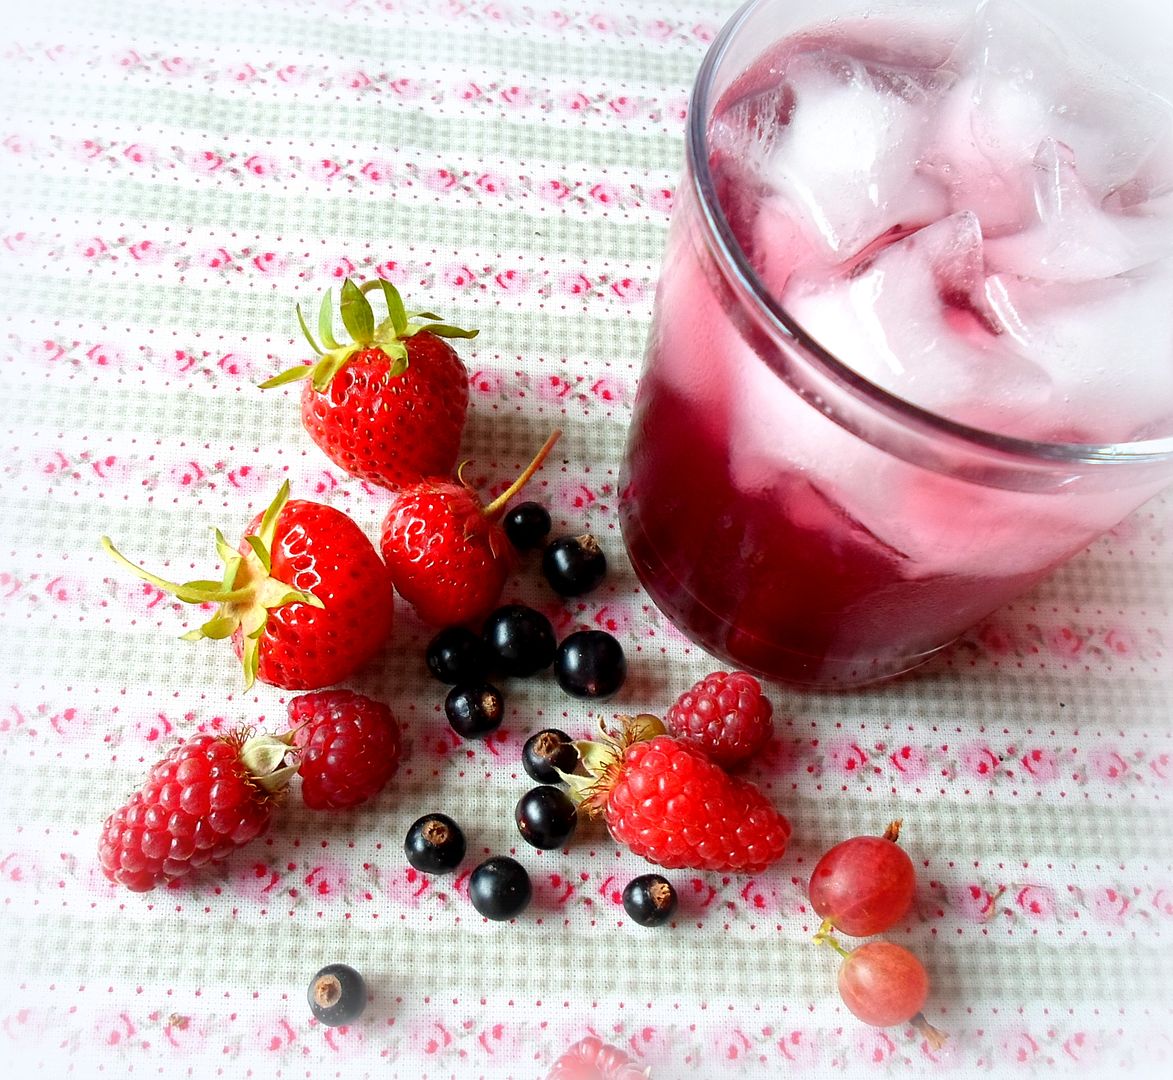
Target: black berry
[
  {"x": 649, "y": 899},
  {"x": 474, "y": 711},
  {"x": 500, "y": 888},
  {"x": 573, "y": 565},
  {"x": 457, "y": 655},
  {"x": 520, "y": 640},
  {"x": 547, "y": 751},
  {"x": 590, "y": 664},
  {"x": 527, "y": 525},
  {"x": 337, "y": 995},
  {"x": 434, "y": 844},
  {"x": 545, "y": 817}
]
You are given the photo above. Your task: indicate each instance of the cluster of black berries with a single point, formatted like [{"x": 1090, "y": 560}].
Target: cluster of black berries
[
  {"x": 516, "y": 641},
  {"x": 499, "y": 887}
]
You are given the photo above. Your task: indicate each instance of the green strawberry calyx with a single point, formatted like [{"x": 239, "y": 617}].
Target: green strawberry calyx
[
  {"x": 390, "y": 336},
  {"x": 600, "y": 760},
  {"x": 246, "y": 594}
]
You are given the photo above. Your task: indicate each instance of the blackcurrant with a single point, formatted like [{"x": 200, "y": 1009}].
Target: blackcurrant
[
  {"x": 527, "y": 525},
  {"x": 457, "y": 655},
  {"x": 547, "y": 751},
  {"x": 500, "y": 888},
  {"x": 473, "y": 711},
  {"x": 573, "y": 565},
  {"x": 337, "y": 995},
  {"x": 590, "y": 664},
  {"x": 545, "y": 817},
  {"x": 649, "y": 899},
  {"x": 520, "y": 640},
  {"x": 434, "y": 844}
]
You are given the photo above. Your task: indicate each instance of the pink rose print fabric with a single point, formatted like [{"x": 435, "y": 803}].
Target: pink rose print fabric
[{"x": 174, "y": 183}]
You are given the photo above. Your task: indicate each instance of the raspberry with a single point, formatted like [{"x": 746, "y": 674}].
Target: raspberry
[
  {"x": 207, "y": 797},
  {"x": 667, "y": 801},
  {"x": 726, "y": 715},
  {"x": 592, "y": 1059},
  {"x": 349, "y": 747}
]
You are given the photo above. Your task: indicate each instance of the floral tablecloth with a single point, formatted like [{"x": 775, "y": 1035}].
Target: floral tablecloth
[{"x": 174, "y": 176}]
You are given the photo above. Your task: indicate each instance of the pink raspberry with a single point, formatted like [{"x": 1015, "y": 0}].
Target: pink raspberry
[
  {"x": 726, "y": 715},
  {"x": 592, "y": 1059},
  {"x": 348, "y": 747}
]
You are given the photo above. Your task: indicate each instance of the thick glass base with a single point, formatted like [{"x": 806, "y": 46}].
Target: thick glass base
[{"x": 772, "y": 658}]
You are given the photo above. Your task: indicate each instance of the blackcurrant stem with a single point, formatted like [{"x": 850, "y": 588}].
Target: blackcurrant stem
[
  {"x": 498, "y": 504},
  {"x": 936, "y": 1039},
  {"x": 892, "y": 832}
]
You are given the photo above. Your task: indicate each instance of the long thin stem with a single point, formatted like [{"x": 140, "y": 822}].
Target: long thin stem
[{"x": 498, "y": 504}]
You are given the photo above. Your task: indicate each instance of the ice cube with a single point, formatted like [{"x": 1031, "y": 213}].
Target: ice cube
[
  {"x": 1106, "y": 346},
  {"x": 914, "y": 320},
  {"x": 1072, "y": 238},
  {"x": 979, "y": 138},
  {"x": 845, "y": 161},
  {"x": 1030, "y": 83}
]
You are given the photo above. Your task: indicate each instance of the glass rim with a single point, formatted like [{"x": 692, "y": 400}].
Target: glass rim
[{"x": 745, "y": 281}]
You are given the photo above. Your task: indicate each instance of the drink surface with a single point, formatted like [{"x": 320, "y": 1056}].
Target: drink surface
[
  {"x": 978, "y": 219},
  {"x": 982, "y": 225}
]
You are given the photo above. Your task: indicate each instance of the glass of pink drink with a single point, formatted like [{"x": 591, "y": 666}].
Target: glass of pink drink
[{"x": 913, "y": 340}]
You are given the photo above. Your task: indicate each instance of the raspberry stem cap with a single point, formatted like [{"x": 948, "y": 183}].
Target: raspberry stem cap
[{"x": 599, "y": 759}]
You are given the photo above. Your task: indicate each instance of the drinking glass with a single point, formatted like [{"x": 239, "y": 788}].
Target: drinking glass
[{"x": 796, "y": 519}]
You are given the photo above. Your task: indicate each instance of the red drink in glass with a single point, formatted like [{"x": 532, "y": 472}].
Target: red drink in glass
[{"x": 912, "y": 346}]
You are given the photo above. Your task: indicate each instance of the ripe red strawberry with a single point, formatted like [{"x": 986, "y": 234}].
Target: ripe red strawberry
[
  {"x": 305, "y": 598},
  {"x": 389, "y": 405},
  {"x": 668, "y": 802},
  {"x": 592, "y": 1059},
  {"x": 726, "y": 715},
  {"x": 207, "y": 797},
  {"x": 446, "y": 551},
  {"x": 348, "y": 747}
]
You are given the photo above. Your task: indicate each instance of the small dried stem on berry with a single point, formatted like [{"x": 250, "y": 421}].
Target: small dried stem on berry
[
  {"x": 892, "y": 832},
  {"x": 327, "y": 991},
  {"x": 935, "y": 1038},
  {"x": 661, "y": 894},
  {"x": 436, "y": 833},
  {"x": 547, "y": 744},
  {"x": 497, "y": 506}
]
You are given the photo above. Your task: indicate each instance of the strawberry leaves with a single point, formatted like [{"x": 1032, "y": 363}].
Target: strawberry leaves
[
  {"x": 357, "y": 316},
  {"x": 246, "y": 594},
  {"x": 390, "y": 336}
]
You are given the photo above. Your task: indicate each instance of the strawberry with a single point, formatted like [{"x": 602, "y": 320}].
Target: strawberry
[
  {"x": 447, "y": 552},
  {"x": 389, "y": 405},
  {"x": 668, "y": 801},
  {"x": 305, "y": 598},
  {"x": 205, "y": 798}
]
